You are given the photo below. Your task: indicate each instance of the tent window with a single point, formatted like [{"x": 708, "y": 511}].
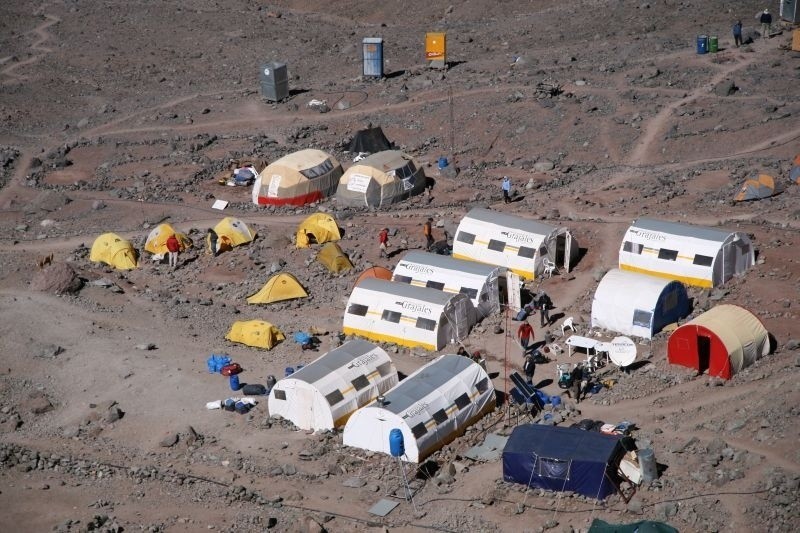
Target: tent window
[
  {"x": 280, "y": 394},
  {"x": 435, "y": 285},
  {"x": 526, "y": 252},
  {"x": 402, "y": 279},
  {"x": 406, "y": 171},
  {"x": 391, "y": 316},
  {"x": 361, "y": 382},
  {"x": 385, "y": 369},
  {"x": 552, "y": 468},
  {"x": 703, "y": 260},
  {"x": 632, "y": 247},
  {"x": 642, "y": 318},
  {"x": 462, "y": 401},
  {"x": 471, "y": 293},
  {"x": 463, "y": 236},
  {"x": 497, "y": 246},
  {"x": 669, "y": 255},
  {"x": 319, "y": 170},
  {"x": 419, "y": 430},
  {"x": 334, "y": 397},
  {"x": 482, "y": 385},
  {"x": 358, "y": 309},
  {"x": 426, "y": 323},
  {"x": 440, "y": 416}
]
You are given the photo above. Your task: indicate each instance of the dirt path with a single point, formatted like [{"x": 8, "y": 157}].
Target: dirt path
[{"x": 37, "y": 48}]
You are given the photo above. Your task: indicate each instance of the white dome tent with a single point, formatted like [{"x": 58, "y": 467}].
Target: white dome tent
[
  {"x": 431, "y": 407},
  {"x": 323, "y": 394}
]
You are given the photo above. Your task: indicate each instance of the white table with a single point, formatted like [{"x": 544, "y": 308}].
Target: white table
[{"x": 591, "y": 347}]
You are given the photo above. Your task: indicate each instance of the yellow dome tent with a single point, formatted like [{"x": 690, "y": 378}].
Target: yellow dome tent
[
  {"x": 282, "y": 286},
  {"x": 230, "y": 232},
  {"x": 332, "y": 256},
  {"x": 318, "y": 228},
  {"x": 115, "y": 251},
  {"x": 255, "y": 333},
  {"x": 156, "y": 242}
]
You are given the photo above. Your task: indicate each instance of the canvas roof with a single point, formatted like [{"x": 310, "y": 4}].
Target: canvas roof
[
  {"x": 405, "y": 290},
  {"x": 510, "y": 221},
  {"x": 564, "y": 443},
  {"x": 300, "y": 160},
  {"x": 682, "y": 230},
  {"x": 333, "y": 360},
  {"x": 450, "y": 263},
  {"x": 744, "y": 336},
  {"x": 382, "y": 162}
]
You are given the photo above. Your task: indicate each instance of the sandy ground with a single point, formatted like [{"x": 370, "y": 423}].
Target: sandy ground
[{"x": 114, "y": 117}]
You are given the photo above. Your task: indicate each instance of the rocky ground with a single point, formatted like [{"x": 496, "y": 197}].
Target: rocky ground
[{"x": 116, "y": 117}]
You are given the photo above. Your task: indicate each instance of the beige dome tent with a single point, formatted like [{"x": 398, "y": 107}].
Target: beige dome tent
[
  {"x": 280, "y": 287},
  {"x": 381, "y": 179},
  {"x": 299, "y": 178},
  {"x": 113, "y": 250}
]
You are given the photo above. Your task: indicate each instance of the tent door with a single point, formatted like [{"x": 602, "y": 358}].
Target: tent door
[
  {"x": 563, "y": 250},
  {"x": 703, "y": 353}
]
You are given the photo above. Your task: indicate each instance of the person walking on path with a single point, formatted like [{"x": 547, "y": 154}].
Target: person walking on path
[
  {"x": 529, "y": 367},
  {"x": 383, "y": 242},
  {"x": 766, "y": 24},
  {"x": 525, "y": 335},
  {"x": 173, "y": 246},
  {"x": 737, "y": 33},
  {"x": 544, "y": 304},
  {"x": 506, "y": 189},
  {"x": 427, "y": 230}
]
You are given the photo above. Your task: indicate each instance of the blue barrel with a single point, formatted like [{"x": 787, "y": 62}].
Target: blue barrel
[
  {"x": 647, "y": 464},
  {"x": 234, "y": 382},
  {"x": 702, "y": 44},
  {"x": 555, "y": 400},
  {"x": 373, "y": 56},
  {"x": 396, "y": 446},
  {"x": 543, "y": 396},
  {"x": 443, "y": 162},
  {"x": 288, "y": 371}
]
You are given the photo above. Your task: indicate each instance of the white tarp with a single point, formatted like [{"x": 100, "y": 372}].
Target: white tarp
[
  {"x": 431, "y": 407},
  {"x": 478, "y": 281},
  {"x": 695, "y": 255},
  {"x": 323, "y": 394}
]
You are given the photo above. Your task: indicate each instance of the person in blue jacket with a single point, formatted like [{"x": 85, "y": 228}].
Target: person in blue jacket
[{"x": 737, "y": 33}]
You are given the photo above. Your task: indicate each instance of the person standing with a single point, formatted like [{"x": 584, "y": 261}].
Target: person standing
[
  {"x": 544, "y": 304},
  {"x": 211, "y": 241},
  {"x": 427, "y": 230},
  {"x": 737, "y": 33},
  {"x": 525, "y": 335},
  {"x": 766, "y": 24},
  {"x": 173, "y": 247},
  {"x": 383, "y": 242},
  {"x": 506, "y": 189}
]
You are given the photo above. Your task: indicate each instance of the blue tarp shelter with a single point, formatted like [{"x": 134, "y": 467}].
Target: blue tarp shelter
[{"x": 563, "y": 459}]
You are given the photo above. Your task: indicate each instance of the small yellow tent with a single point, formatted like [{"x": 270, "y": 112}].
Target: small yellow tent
[
  {"x": 230, "y": 232},
  {"x": 279, "y": 287},
  {"x": 318, "y": 228},
  {"x": 113, "y": 250},
  {"x": 255, "y": 333},
  {"x": 156, "y": 242},
  {"x": 332, "y": 256}
]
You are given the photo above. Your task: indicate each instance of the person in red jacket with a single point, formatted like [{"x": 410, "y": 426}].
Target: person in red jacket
[
  {"x": 173, "y": 246},
  {"x": 383, "y": 240},
  {"x": 525, "y": 336}
]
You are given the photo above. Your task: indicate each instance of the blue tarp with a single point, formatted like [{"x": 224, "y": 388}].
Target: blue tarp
[{"x": 562, "y": 459}]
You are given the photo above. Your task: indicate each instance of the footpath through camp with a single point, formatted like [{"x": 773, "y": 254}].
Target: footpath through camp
[{"x": 285, "y": 376}]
